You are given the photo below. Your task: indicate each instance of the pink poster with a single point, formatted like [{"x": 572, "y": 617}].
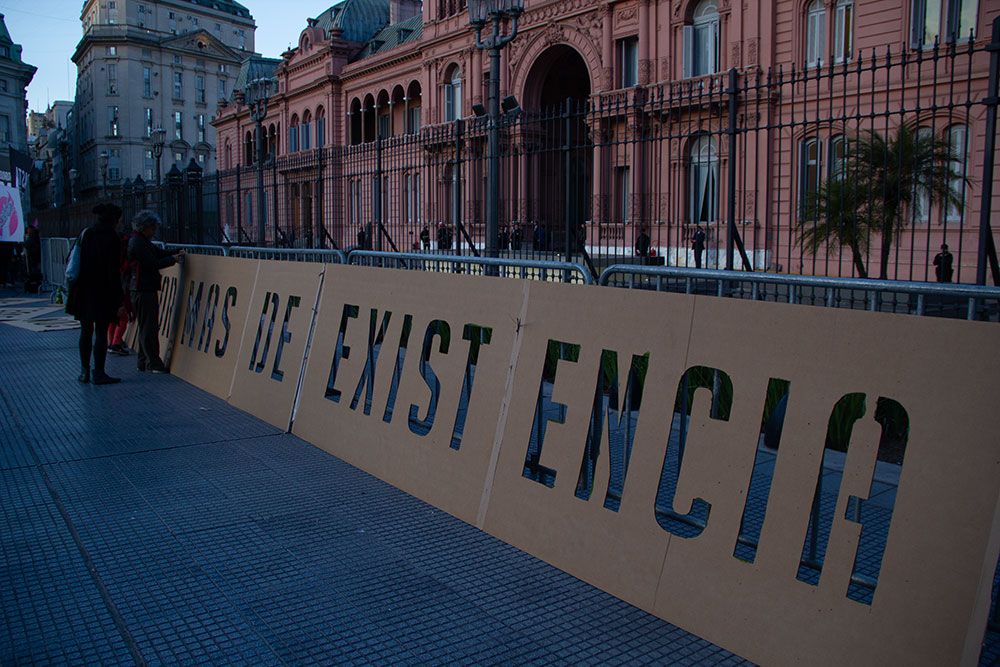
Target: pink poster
[{"x": 11, "y": 218}]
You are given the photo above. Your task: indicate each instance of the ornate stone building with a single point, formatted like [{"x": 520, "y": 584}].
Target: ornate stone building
[
  {"x": 15, "y": 75},
  {"x": 144, "y": 64},
  {"x": 668, "y": 115}
]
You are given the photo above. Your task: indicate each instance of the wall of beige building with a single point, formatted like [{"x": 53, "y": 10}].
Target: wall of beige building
[{"x": 143, "y": 65}]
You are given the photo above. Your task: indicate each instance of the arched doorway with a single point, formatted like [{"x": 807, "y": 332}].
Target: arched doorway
[{"x": 558, "y": 149}]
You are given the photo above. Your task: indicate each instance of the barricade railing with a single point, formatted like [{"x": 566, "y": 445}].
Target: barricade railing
[
  {"x": 55, "y": 254},
  {"x": 213, "y": 250},
  {"x": 915, "y": 298},
  {"x": 289, "y": 254},
  {"x": 530, "y": 269}
]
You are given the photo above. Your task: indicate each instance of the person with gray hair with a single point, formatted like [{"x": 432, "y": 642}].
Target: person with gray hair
[{"x": 145, "y": 261}]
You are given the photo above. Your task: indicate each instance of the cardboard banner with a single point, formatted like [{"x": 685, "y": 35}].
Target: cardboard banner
[
  {"x": 617, "y": 434},
  {"x": 662, "y": 528},
  {"x": 406, "y": 378},
  {"x": 274, "y": 339},
  {"x": 213, "y": 302}
]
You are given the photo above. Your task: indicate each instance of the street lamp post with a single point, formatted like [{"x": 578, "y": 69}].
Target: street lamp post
[
  {"x": 104, "y": 174},
  {"x": 158, "y": 135},
  {"x": 255, "y": 96},
  {"x": 495, "y": 12}
]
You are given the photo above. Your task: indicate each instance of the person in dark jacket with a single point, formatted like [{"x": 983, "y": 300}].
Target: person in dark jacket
[
  {"x": 145, "y": 261},
  {"x": 33, "y": 259},
  {"x": 96, "y": 295}
]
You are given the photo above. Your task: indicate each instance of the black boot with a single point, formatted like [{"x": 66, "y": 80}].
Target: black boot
[{"x": 84, "y": 376}]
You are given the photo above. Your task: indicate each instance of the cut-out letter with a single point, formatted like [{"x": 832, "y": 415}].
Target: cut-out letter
[
  {"x": 477, "y": 337},
  {"x": 441, "y": 329},
  {"x": 341, "y": 351},
  {"x": 547, "y": 410},
  {"x": 692, "y": 523},
  {"x": 621, "y": 426}
]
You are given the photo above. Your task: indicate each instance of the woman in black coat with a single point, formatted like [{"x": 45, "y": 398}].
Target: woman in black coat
[{"x": 96, "y": 295}]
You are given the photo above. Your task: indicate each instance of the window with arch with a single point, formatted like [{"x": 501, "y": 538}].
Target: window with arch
[
  {"x": 320, "y": 127},
  {"x": 701, "y": 40},
  {"x": 228, "y": 155},
  {"x": 305, "y": 131},
  {"x": 248, "y": 152},
  {"x": 293, "y": 134},
  {"x": 815, "y": 33},
  {"x": 838, "y": 157},
  {"x": 703, "y": 180},
  {"x": 809, "y": 175},
  {"x": 453, "y": 94},
  {"x": 272, "y": 140},
  {"x": 958, "y": 146},
  {"x": 920, "y": 208}
]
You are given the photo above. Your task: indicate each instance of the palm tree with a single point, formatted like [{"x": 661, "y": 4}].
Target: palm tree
[{"x": 878, "y": 181}]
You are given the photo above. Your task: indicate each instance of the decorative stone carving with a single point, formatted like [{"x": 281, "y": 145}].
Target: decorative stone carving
[
  {"x": 735, "y": 60},
  {"x": 644, "y": 71},
  {"x": 626, "y": 15},
  {"x": 606, "y": 78},
  {"x": 553, "y": 34},
  {"x": 664, "y": 69},
  {"x": 752, "y": 51}
]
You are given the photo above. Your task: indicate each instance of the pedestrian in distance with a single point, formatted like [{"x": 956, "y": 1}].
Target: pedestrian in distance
[
  {"x": 33, "y": 260},
  {"x": 145, "y": 262},
  {"x": 698, "y": 245},
  {"x": 95, "y": 296},
  {"x": 425, "y": 238},
  {"x": 642, "y": 243},
  {"x": 943, "y": 265}
]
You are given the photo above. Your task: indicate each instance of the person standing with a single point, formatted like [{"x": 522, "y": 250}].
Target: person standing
[
  {"x": 95, "y": 297},
  {"x": 6, "y": 257},
  {"x": 642, "y": 243},
  {"x": 33, "y": 259},
  {"x": 698, "y": 245},
  {"x": 145, "y": 262},
  {"x": 943, "y": 265}
]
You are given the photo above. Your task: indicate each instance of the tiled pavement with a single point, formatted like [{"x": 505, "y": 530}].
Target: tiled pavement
[{"x": 152, "y": 523}]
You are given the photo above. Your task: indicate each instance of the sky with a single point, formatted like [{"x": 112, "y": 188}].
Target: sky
[{"x": 49, "y": 30}]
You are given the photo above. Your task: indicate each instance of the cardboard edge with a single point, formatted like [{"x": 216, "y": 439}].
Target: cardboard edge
[{"x": 508, "y": 394}]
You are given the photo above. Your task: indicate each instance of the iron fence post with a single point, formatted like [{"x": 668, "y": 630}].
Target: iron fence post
[
  {"x": 377, "y": 192},
  {"x": 731, "y": 171},
  {"x": 985, "y": 207},
  {"x": 567, "y": 165},
  {"x": 457, "y": 190}
]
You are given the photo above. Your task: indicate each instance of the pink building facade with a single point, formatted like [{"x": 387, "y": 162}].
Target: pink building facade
[{"x": 665, "y": 117}]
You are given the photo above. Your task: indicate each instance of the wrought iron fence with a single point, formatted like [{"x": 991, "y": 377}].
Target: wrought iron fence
[{"x": 861, "y": 168}]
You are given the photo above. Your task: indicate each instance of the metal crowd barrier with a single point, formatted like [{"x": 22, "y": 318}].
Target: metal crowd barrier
[
  {"x": 915, "y": 298},
  {"x": 531, "y": 269},
  {"x": 214, "y": 250},
  {"x": 55, "y": 254},
  {"x": 289, "y": 254}
]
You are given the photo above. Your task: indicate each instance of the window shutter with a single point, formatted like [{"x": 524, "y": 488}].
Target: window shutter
[{"x": 688, "y": 58}]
